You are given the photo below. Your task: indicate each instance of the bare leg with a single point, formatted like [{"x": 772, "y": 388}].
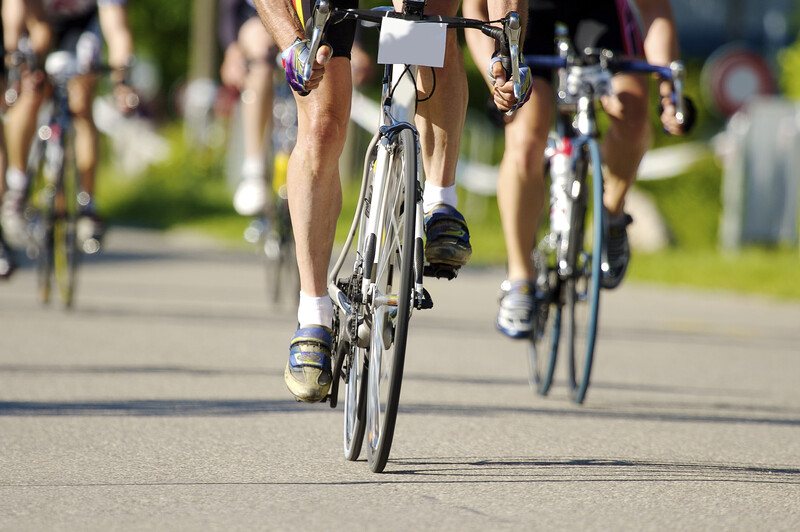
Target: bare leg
[
  {"x": 315, "y": 193},
  {"x": 440, "y": 120},
  {"x": 520, "y": 186},
  {"x": 81, "y": 93},
  {"x": 627, "y": 139},
  {"x": 21, "y": 125},
  {"x": 257, "y": 105}
]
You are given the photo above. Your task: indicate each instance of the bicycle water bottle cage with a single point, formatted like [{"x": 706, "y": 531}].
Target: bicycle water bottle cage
[{"x": 61, "y": 65}]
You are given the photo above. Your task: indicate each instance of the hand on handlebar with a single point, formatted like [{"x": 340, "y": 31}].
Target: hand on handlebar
[
  {"x": 503, "y": 90},
  {"x": 294, "y": 60},
  {"x": 669, "y": 111}
]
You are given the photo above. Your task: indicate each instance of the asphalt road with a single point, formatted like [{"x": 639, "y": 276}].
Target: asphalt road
[{"x": 159, "y": 403}]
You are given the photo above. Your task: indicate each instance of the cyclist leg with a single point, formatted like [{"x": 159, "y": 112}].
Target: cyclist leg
[
  {"x": 627, "y": 139},
  {"x": 520, "y": 185},
  {"x": 520, "y": 197},
  {"x": 258, "y": 49},
  {"x": 315, "y": 199},
  {"x": 440, "y": 121},
  {"x": 20, "y": 130}
]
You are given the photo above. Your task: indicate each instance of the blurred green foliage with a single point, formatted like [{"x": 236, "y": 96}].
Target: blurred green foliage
[{"x": 161, "y": 32}]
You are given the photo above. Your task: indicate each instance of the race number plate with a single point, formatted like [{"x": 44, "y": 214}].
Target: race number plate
[{"x": 412, "y": 43}]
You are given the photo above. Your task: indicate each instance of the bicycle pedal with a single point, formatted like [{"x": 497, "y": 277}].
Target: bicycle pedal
[
  {"x": 425, "y": 302},
  {"x": 441, "y": 271}
]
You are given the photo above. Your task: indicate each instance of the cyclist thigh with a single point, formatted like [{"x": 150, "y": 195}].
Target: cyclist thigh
[
  {"x": 526, "y": 135},
  {"x": 255, "y": 41},
  {"x": 323, "y": 114}
]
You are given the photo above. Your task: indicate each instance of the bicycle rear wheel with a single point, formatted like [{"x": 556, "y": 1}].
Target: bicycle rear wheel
[
  {"x": 356, "y": 364},
  {"x": 543, "y": 345},
  {"x": 283, "y": 278},
  {"x": 582, "y": 287},
  {"x": 393, "y": 275}
]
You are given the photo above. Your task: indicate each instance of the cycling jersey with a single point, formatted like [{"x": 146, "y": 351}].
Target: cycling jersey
[
  {"x": 609, "y": 24},
  {"x": 66, "y": 9}
]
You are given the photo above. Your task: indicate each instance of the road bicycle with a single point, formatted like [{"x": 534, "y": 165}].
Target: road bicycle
[
  {"x": 571, "y": 256},
  {"x": 54, "y": 213},
  {"x": 376, "y": 299},
  {"x": 272, "y": 230}
]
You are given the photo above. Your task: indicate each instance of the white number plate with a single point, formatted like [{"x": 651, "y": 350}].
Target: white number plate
[{"x": 412, "y": 43}]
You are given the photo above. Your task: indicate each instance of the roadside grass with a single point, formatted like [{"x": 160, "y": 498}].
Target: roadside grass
[{"x": 189, "y": 192}]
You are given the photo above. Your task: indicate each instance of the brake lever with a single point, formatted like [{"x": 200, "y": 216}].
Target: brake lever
[
  {"x": 678, "y": 72},
  {"x": 322, "y": 13},
  {"x": 512, "y": 31}
]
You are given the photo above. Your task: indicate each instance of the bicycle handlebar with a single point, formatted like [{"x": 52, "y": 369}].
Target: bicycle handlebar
[
  {"x": 508, "y": 37},
  {"x": 675, "y": 72}
]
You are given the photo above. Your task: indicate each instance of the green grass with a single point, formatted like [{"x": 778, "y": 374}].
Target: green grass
[{"x": 752, "y": 271}]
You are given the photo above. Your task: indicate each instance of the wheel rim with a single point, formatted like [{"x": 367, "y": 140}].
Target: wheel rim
[{"x": 583, "y": 287}]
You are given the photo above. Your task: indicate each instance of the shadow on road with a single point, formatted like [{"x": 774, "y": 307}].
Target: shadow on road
[
  {"x": 200, "y": 407},
  {"x": 505, "y": 470}
]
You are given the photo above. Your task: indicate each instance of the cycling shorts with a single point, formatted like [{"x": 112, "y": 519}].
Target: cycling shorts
[
  {"x": 340, "y": 36},
  {"x": 613, "y": 20},
  {"x": 66, "y": 32}
]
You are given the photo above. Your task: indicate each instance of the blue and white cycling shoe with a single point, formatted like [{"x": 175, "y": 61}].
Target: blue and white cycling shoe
[
  {"x": 308, "y": 371},
  {"x": 517, "y": 309}
]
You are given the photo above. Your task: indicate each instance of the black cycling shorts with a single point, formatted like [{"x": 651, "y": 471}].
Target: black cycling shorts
[
  {"x": 609, "y": 24},
  {"x": 340, "y": 36},
  {"x": 67, "y": 31}
]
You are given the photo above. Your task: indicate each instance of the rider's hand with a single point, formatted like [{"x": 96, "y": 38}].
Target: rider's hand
[
  {"x": 294, "y": 60},
  {"x": 125, "y": 98},
  {"x": 668, "y": 111},
  {"x": 234, "y": 67},
  {"x": 503, "y": 89}
]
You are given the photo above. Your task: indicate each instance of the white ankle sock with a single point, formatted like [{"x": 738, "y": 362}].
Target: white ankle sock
[
  {"x": 315, "y": 311},
  {"x": 433, "y": 195},
  {"x": 16, "y": 179}
]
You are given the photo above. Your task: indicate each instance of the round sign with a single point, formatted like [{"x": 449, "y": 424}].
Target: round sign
[{"x": 734, "y": 75}]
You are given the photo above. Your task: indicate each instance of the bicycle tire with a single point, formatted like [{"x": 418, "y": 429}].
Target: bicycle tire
[
  {"x": 44, "y": 247},
  {"x": 65, "y": 237},
  {"x": 582, "y": 287},
  {"x": 384, "y": 383},
  {"x": 543, "y": 344}
]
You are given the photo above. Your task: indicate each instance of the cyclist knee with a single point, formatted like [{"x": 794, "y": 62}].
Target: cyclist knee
[
  {"x": 526, "y": 151},
  {"x": 324, "y": 138}
]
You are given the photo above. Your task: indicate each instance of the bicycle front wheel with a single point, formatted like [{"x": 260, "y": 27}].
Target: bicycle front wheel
[
  {"x": 391, "y": 309},
  {"x": 582, "y": 287},
  {"x": 65, "y": 238}
]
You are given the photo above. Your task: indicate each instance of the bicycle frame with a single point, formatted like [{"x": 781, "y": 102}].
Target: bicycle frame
[{"x": 397, "y": 114}]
